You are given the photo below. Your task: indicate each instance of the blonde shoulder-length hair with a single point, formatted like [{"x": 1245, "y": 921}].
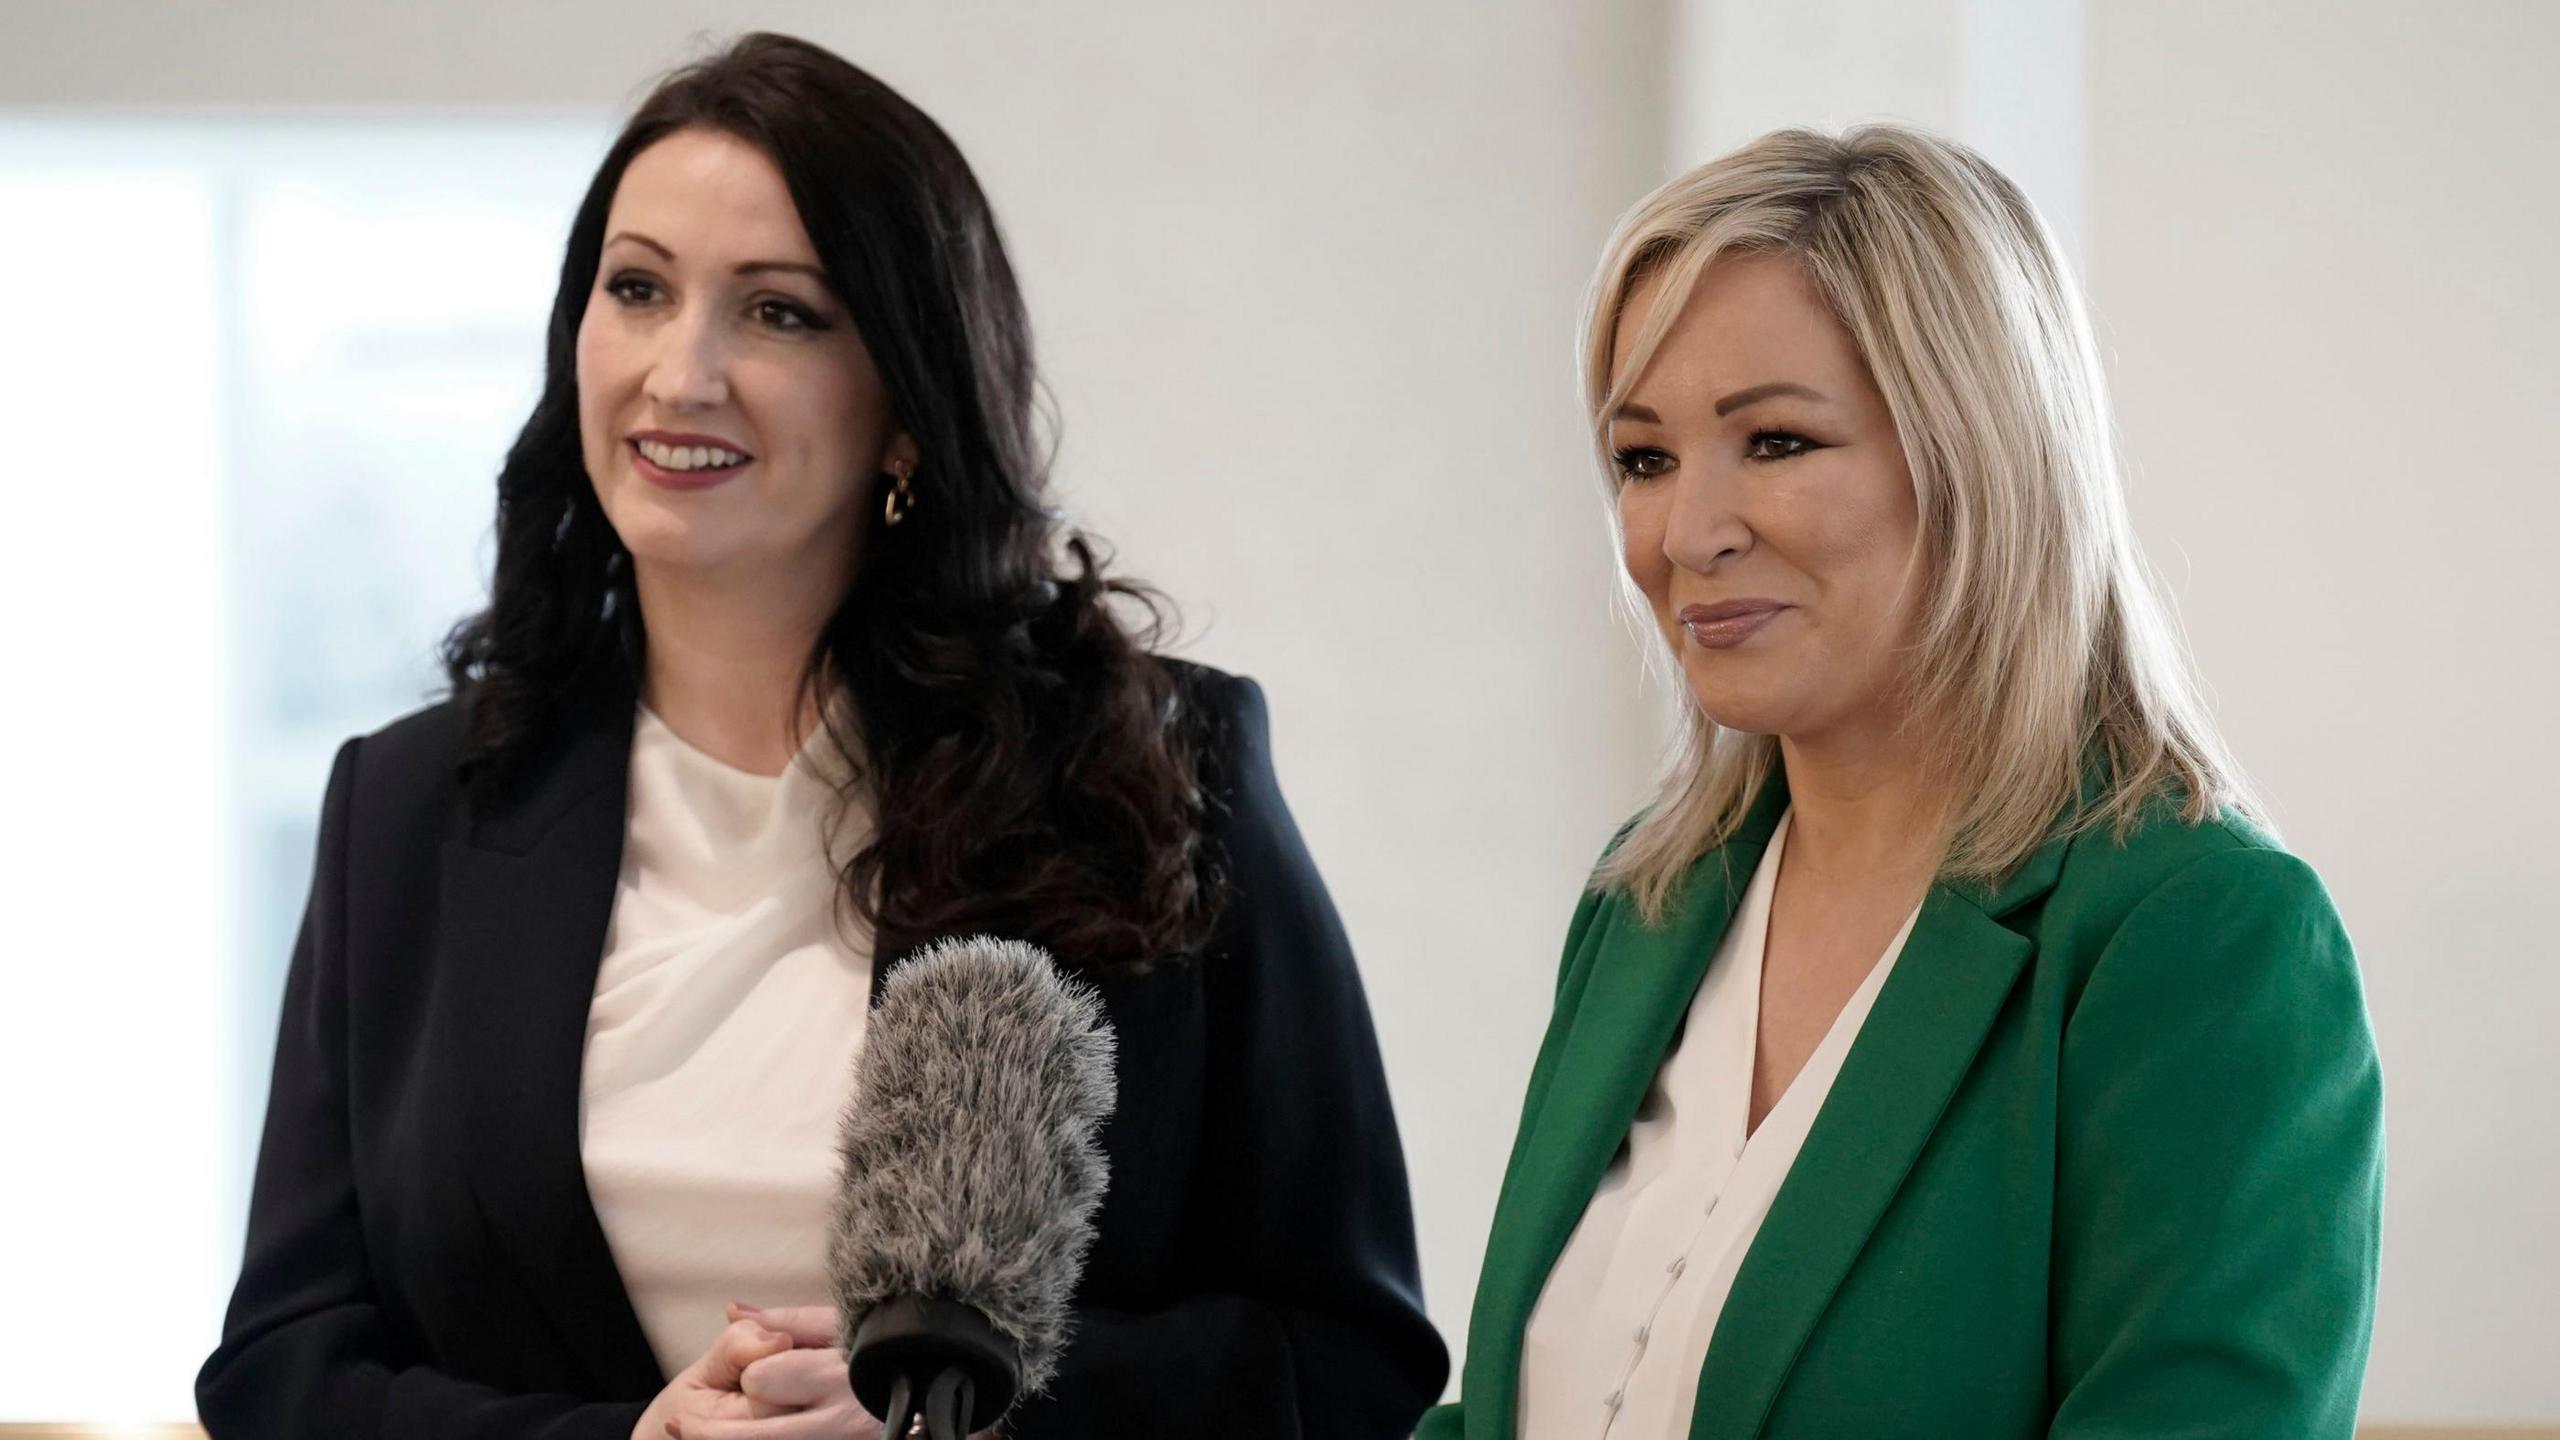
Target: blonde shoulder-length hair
[{"x": 2043, "y": 659}]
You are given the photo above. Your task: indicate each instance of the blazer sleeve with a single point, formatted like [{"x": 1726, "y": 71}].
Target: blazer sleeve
[
  {"x": 2218, "y": 1206},
  {"x": 305, "y": 1349},
  {"x": 1308, "y": 1322}
]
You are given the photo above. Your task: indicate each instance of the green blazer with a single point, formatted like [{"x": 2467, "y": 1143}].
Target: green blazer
[{"x": 2104, "y": 1161}]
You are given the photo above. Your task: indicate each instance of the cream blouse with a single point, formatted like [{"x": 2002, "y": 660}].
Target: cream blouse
[
  {"x": 721, "y": 1039},
  {"x": 1620, "y": 1332}
]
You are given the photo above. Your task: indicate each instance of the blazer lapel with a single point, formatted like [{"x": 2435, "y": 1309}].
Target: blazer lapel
[
  {"x": 1930, "y": 1020},
  {"x": 528, "y": 893},
  {"x": 1640, "y": 982}
]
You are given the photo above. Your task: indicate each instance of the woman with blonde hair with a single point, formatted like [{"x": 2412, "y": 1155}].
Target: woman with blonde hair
[{"x": 1949, "y": 1048}]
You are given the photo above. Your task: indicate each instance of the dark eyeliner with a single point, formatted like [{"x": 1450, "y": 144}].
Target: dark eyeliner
[
  {"x": 1798, "y": 445},
  {"x": 807, "y": 318},
  {"x": 1627, "y": 458}
]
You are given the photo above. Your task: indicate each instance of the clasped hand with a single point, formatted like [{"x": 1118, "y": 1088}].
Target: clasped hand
[{"x": 772, "y": 1375}]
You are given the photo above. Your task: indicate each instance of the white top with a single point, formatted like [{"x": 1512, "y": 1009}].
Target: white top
[
  {"x": 1621, "y": 1330},
  {"x": 721, "y": 1039}
]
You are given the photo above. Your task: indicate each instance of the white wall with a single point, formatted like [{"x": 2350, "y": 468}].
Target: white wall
[
  {"x": 1305, "y": 280},
  {"x": 95, "y": 1126},
  {"x": 2323, "y": 241},
  {"x": 2003, "y": 75}
]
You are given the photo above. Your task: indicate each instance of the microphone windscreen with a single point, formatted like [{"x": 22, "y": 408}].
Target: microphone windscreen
[{"x": 971, "y": 1145}]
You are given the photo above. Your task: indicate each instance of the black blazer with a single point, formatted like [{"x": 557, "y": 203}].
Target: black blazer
[{"x": 423, "y": 1259}]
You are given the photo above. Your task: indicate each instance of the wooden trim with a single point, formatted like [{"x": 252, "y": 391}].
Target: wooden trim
[
  {"x": 131, "y": 1430},
  {"x": 2458, "y": 1432}
]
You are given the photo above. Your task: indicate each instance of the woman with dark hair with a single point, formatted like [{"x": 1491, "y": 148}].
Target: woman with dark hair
[{"x": 788, "y": 669}]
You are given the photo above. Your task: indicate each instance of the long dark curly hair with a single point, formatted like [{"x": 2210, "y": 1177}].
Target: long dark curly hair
[{"x": 1035, "y": 769}]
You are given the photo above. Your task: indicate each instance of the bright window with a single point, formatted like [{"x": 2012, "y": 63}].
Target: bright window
[{"x": 260, "y": 376}]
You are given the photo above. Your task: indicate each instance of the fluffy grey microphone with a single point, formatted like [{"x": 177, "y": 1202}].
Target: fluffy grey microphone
[{"x": 972, "y": 1165}]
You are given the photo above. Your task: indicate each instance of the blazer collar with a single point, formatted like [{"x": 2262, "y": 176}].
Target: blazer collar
[
  {"x": 2036, "y": 875},
  {"x": 1621, "y": 1012},
  {"x": 1930, "y": 1020},
  {"x": 1617, "y": 1015},
  {"x": 528, "y": 892},
  {"x": 590, "y": 753},
  {"x": 1936, "y": 1010}
]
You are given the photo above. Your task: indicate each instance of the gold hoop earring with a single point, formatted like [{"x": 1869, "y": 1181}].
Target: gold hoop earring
[{"x": 901, "y": 499}]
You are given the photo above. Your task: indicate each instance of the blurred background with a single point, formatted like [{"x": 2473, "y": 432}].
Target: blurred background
[{"x": 1306, "y": 279}]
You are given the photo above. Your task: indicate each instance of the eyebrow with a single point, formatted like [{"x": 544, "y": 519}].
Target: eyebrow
[
  {"x": 1737, "y": 400},
  {"x": 750, "y": 267},
  {"x": 1757, "y": 393}
]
